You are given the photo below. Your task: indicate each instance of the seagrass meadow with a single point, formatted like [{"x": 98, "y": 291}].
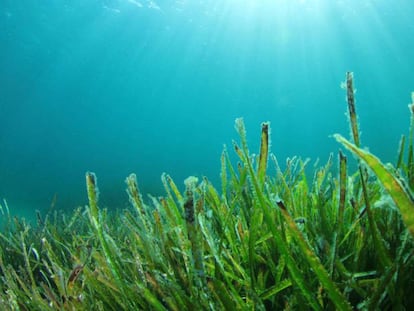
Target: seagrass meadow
[{"x": 266, "y": 239}]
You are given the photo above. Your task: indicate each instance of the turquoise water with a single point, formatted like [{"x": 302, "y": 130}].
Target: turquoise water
[{"x": 140, "y": 86}]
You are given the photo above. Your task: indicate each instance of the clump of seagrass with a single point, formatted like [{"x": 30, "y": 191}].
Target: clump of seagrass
[{"x": 270, "y": 239}]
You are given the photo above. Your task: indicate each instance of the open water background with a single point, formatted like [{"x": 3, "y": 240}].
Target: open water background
[{"x": 124, "y": 86}]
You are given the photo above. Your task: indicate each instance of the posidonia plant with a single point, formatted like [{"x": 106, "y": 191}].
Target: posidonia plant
[{"x": 267, "y": 239}]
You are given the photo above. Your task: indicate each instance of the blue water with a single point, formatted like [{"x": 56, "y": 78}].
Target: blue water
[{"x": 141, "y": 86}]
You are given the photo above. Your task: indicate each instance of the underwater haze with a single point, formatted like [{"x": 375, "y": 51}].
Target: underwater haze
[{"x": 124, "y": 86}]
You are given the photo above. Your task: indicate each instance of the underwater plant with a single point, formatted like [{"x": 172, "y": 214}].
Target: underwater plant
[{"x": 268, "y": 239}]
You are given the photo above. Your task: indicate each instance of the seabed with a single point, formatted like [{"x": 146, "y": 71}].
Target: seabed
[{"x": 268, "y": 239}]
